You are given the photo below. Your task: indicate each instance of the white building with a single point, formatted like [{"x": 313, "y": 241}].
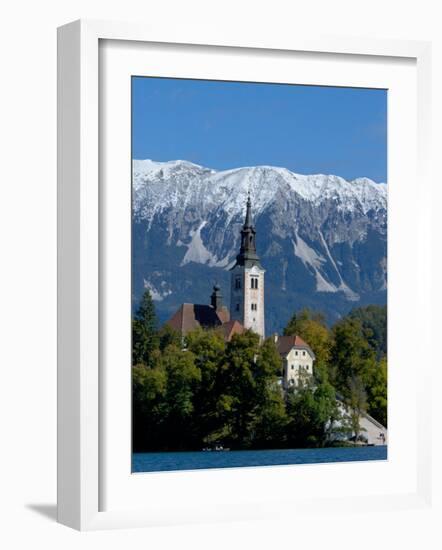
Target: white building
[
  {"x": 247, "y": 281},
  {"x": 297, "y": 359}
]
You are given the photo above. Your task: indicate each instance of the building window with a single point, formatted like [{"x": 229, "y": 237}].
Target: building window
[
  {"x": 237, "y": 307},
  {"x": 254, "y": 282},
  {"x": 303, "y": 353},
  {"x": 292, "y": 367},
  {"x": 296, "y": 353},
  {"x": 254, "y": 307},
  {"x": 237, "y": 283}
]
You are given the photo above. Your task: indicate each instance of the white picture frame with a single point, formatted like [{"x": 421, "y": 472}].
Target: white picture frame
[{"x": 81, "y": 471}]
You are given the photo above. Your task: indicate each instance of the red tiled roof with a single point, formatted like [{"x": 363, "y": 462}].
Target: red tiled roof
[
  {"x": 285, "y": 343},
  {"x": 191, "y": 316},
  {"x": 230, "y": 328},
  {"x": 223, "y": 314}
]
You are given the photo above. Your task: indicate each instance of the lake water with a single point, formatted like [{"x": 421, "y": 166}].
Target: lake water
[{"x": 162, "y": 462}]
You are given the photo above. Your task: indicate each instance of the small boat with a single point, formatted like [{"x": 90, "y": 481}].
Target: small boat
[{"x": 218, "y": 448}]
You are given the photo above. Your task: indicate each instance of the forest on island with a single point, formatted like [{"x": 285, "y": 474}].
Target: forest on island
[{"x": 202, "y": 391}]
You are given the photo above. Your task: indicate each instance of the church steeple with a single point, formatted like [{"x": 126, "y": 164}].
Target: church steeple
[
  {"x": 247, "y": 280},
  {"x": 247, "y": 256},
  {"x": 248, "y": 222}
]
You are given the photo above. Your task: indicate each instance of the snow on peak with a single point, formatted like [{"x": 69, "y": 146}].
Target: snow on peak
[{"x": 176, "y": 184}]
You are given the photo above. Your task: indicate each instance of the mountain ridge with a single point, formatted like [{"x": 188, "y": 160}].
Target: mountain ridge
[{"x": 320, "y": 235}]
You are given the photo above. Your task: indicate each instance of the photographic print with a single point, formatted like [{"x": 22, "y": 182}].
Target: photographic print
[{"x": 259, "y": 274}]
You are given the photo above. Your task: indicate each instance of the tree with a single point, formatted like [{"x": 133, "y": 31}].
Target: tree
[
  {"x": 167, "y": 336},
  {"x": 312, "y": 410},
  {"x": 268, "y": 364},
  {"x": 149, "y": 409},
  {"x": 144, "y": 331},
  {"x": 350, "y": 354},
  {"x": 238, "y": 387},
  {"x": 353, "y": 357},
  {"x": 208, "y": 348},
  {"x": 328, "y": 411},
  {"x": 183, "y": 378},
  {"x": 373, "y": 320},
  {"x": 357, "y": 402},
  {"x": 376, "y": 387},
  {"x": 270, "y": 418},
  {"x": 295, "y": 324}
]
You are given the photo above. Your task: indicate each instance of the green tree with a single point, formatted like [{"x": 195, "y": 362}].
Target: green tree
[
  {"x": 144, "y": 331},
  {"x": 350, "y": 355},
  {"x": 353, "y": 357},
  {"x": 376, "y": 388},
  {"x": 357, "y": 403},
  {"x": 237, "y": 380},
  {"x": 312, "y": 410},
  {"x": 268, "y": 364},
  {"x": 270, "y": 418},
  {"x": 208, "y": 348},
  {"x": 373, "y": 320},
  {"x": 149, "y": 407},
  {"x": 167, "y": 336},
  {"x": 183, "y": 378},
  {"x": 328, "y": 412}
]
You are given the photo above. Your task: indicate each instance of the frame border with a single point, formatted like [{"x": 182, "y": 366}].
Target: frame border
[{"x": 78, "y": 253}]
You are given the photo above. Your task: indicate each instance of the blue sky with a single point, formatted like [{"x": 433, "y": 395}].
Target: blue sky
[{"x": 221, "y": 125}]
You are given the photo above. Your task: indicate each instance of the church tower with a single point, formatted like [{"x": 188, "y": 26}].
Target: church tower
[{"x": 247, "y": 281}]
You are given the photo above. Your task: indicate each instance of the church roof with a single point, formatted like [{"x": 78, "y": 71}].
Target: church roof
[
  {"x": 286, "y": 343},
  {"x": 223, "y": 314},
  {"x": 231, "y": 328},
  {"x": 189, "y": 317}
]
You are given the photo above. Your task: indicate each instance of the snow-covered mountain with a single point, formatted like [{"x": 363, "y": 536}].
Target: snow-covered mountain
[{"x": 322, "y": 239}]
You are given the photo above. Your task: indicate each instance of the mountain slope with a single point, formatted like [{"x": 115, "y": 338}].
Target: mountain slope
[{"x": 321, "y": 238}]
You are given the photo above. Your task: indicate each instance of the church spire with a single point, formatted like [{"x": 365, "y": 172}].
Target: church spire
[
  {"x": 248, "y": 222},
  {"x": 247, "y": 254},
  {"x": 247, "y": 280}
]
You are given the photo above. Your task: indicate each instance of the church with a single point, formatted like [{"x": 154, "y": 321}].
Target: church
[
  {"x": 246, "y": 295},
  {"x": 247, "y": 281},
  {"x": 247, "y": 308}
]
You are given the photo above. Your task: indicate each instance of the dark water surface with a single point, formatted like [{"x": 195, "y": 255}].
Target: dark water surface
[{"x": 162, "y": 462}]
